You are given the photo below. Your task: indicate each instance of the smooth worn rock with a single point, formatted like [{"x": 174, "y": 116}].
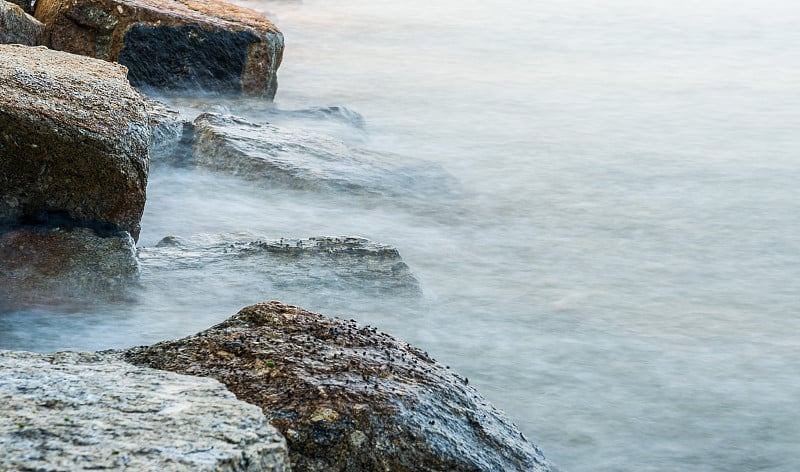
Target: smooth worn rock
[
  {"x": 172, "y": 44},
  {"x": 74, "y": 141},
  {"x": 348, "y": 397},
  {"x": 17, "y": 26},
  {"x": 82, "y": 411},
  {"x": 306, "y": 160},
  {"x": 331, "y": 267},
  {"x": 55, "y": 266}
]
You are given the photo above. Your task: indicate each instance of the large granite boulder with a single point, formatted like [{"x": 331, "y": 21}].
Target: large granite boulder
[
  {"x": 82, "y": 411},
  {"x": 308, "y": 160},
  {"x": 18, "y": 27},
  {"x": 348, "y": 397},
  {"x": 74, "y": 142},
  {"x": 171, "y": 44},
  {"x": 53, "y": 266}
]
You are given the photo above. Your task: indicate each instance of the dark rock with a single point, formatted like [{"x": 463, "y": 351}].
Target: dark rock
[
  {"x": 84, "y": 411},
  {"x": 73, "y": 141},
  {"x": 326, "y": 265},
  {"x": 172, "y": 45},
  {"x": 347, "y": 397},
  {"x": 306, "y": 160},
  {"x": 56, "y": 266},
  {"x": 17, "y": 26}
]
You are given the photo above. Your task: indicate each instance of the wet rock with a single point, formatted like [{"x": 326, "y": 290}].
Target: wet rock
[
  {"x": 81, "y": 411},
  {"x": 326, "y": 265},
  {"x": 54, "y": 266},
  {"x": 306, "y": 160},
  {"x": 348, "y": 397},
  {"x": 17, "y": 26},
  {"x": 171, "y": 45},
  {"x": 73, "y": 141},
  {"x": 167, "y": 129}
]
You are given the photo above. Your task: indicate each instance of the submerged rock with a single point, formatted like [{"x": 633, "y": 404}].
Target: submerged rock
[
  {"x": 73, "y": 141},
  {"x": 172, "y": 45},
  {"x": 167, "y": 129},
  {"x": 347, "y": 397},
  {"x": 17, "y": 26},
  {"x": 306, "y": 160},
  {"x": 80, "y": 411},
  {"x": 326, "y": 265},
  {"x": 53, "y": 266}
]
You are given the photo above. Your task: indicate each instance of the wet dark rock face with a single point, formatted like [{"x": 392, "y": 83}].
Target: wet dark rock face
[
  {"x": 195, "y": 45},
  {"x": 180, "y": 67},
  {"x": 347, "y": 397},
  {"x": 74, "y": 141}
]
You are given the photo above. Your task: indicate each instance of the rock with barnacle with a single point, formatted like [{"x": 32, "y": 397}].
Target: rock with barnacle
[{"x": 348, "y": 397}]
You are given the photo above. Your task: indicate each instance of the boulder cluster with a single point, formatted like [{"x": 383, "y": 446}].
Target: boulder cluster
[{"x": 77, "y": 135}]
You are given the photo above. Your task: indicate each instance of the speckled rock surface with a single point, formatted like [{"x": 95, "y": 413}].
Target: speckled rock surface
[
  {"x": 347, "y": 397},
  {"x": 43, "y": 266},
  {"x": 71, "y": 411},
  {"x": 17, "y": 27},
  {"x": 307, "y": 160},
  {"x": 73, "y": 141},
  {"x": 176, "y": 45}
]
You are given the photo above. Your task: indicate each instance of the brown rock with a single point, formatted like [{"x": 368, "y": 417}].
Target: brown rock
[
  {"x": 171, "y": 44},
  {"x": 58, "y": 266},
  {"x": 349, "y": 398},
  {"x": 74, "y": 141},
  {"x": 17, "y": 27}
]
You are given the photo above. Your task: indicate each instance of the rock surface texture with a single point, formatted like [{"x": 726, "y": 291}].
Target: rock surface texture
[
  {"x": 333, "y": 266},
  {"x": 74, "y": 141},
  {"x": 349, "y": 398},
  {"x": 174, "y": 45},
  {"x": 17, "y": 27},
  {"x": 79, "y": 411},
  {"x": 306, "y": 160},
  {"x": 53, "y": 266}
]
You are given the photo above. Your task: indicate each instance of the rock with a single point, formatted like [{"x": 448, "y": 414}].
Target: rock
[
  {"x": 167, "y": 130},
  {"x": 80, "y": 411},
  {"x": 173, "y": 45},
  {"x": 73, "y": 141},
  {"x": 307, "y": 160},
  {"x": 330, "y": 266},
  {"x": 17, "y": 26},
  {"x": 349, "y": 398},
  {"x": 55, "y": 266}
]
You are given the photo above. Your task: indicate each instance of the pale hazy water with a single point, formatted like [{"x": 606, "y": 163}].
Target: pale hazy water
[{"x": 620, "y": 272}]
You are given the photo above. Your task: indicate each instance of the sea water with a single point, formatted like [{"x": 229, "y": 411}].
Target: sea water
[{"x": 615, "y": 261}]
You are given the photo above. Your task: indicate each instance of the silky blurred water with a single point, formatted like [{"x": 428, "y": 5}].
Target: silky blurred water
[{"x": 619, "y": 266}]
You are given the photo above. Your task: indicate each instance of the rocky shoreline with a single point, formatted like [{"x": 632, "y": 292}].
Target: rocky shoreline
[{"x": 77, "y": 136}]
